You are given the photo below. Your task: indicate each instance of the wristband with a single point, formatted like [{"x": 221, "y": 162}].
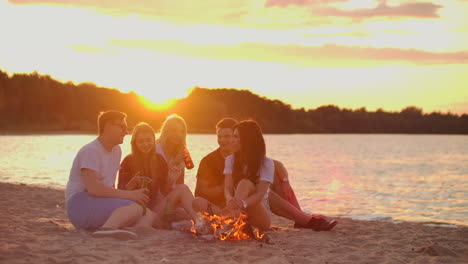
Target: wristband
[
  {"x": 244, "y": 204},
  {"x": 285, "y": 179}
]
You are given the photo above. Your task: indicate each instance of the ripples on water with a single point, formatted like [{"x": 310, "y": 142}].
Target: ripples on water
[{"x": 402, "y": 177}]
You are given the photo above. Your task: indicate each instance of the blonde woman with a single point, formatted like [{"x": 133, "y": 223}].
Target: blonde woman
[{"x": 171, "y": 146}]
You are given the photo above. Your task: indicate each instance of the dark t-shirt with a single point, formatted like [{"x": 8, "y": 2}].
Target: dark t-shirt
[
  {"x": 211, "y": 170},
  {"x": 159, "y": 166}
]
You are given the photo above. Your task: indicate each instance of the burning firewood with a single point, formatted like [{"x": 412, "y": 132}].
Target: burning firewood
[{"x": 229, "y": 228}]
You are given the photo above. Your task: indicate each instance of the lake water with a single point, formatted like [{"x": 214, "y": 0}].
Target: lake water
[{"x": 393, "y": 177}]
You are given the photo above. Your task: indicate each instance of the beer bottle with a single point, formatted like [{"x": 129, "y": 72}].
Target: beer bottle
[{"x": 187, "y": 159}]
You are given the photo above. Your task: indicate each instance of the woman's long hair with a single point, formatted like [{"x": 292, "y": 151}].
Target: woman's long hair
[
  {"x": 141, "y": 162},
  {"x": 166, "y": 127},
  {"x": 249, "y": 158}
]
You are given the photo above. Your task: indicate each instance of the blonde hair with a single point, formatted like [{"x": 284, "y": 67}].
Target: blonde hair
[{"x": 168, "y": 124}]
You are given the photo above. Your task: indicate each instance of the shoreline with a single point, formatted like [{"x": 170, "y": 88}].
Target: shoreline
[
  {"x": 388, "y": 219},
  {"x": 34, "y": 228}
]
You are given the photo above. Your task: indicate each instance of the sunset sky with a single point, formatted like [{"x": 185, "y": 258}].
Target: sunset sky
[{"x": 307, "y": 53}]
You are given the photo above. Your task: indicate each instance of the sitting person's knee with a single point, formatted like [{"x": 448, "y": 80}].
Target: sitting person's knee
[
  {"x": 134, "y": 209},
  {"x": 182, "y": 187},
  {"x": 246, "y": 184},
  {"x": 200, "y": 204}
]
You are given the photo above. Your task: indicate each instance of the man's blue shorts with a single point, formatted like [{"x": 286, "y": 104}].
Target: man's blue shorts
[{"x": 89, "y": 212}]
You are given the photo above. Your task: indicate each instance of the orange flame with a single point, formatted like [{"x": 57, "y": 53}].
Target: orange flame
[
  {"x": 192, "y": 227},
  {"x": 228, "y": 228}
]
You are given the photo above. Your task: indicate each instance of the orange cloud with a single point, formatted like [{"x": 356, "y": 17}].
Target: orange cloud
[
  {"x": 416, "y": 10},
  {"x": 247, "y": 13}
]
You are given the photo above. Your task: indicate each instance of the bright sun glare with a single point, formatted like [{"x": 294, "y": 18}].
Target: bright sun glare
[{"x": 156, "y": 105}]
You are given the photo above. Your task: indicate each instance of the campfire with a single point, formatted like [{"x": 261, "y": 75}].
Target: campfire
[{"x": 228, "y": 228}]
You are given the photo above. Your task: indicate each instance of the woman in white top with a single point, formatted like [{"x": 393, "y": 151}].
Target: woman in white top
[
  {"x": 248, "y": 175},
  {"x": 171, "y": 145}
]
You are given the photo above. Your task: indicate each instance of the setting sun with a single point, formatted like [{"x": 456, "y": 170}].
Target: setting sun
[
  {"x": 156, "y": 105},
  {"x": 317, "y": 51}
]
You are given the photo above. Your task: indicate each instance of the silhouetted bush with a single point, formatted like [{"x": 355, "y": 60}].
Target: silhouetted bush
[{"x": 38, "y": 103}]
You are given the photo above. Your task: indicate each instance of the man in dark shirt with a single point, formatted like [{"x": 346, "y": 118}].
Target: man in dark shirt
[
  {"x": 210, "y": 177},
  {"x": 209, "y": 191}
]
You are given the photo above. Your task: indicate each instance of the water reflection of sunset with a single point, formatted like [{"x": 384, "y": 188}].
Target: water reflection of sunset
[
  {"x": 335, "y": 186},
  {"x": 368, "y": 185}
]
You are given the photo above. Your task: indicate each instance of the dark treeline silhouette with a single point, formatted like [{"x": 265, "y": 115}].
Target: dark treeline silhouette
[{"x": 38, "y": 103}]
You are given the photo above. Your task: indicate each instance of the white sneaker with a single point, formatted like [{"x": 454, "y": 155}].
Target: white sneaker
[{"x": 114, "y": 233}]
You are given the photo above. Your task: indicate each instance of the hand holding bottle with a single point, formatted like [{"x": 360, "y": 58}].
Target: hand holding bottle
[{"x": 144, "y": 184}]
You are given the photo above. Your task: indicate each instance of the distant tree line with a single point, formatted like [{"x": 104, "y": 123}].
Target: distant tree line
[{"x": 38, "y": 103}]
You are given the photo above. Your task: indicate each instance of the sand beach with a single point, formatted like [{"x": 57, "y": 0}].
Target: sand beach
[{"x": 34, "y": 229}]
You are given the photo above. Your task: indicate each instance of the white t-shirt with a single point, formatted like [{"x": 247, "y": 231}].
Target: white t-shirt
[
  {"x": 160, "y": 151},
  {"x": 95, "y": 157},
  {"x": 266, "y": 171}
]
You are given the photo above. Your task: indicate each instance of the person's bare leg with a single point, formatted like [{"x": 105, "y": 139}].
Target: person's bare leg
[
  {"x": 159, "y": 209},
  {"x": 283, "y": 208},
  {"x": 183, "y": 197},
  {"x": 258, "y": 215},
  {"x": 202, "y": 205},
  {"x": 124, "y": 216},
  {"x": 147, "y": 220}
]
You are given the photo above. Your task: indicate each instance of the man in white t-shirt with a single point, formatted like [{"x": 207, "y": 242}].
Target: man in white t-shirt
[{"x": 92, "y": 201}]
